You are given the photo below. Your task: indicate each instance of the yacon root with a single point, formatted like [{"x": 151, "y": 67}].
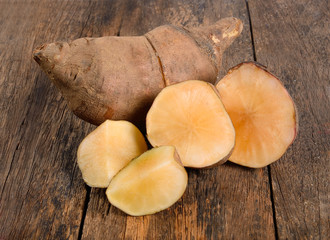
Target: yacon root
[{"x": 118, "y": 77}]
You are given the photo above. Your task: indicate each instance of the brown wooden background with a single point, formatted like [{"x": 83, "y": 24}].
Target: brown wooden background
[{"x": 42, "y": 194}]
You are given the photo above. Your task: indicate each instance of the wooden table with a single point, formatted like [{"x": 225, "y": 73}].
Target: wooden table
[{"x": 42, "y": 194}]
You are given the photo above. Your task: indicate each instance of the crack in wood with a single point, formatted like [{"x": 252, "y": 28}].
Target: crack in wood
[
  {"x": 85, "y": 23},
  {"x": 251, "y": 30},
  {"x": 268, "y": 167},
  {"x": 13, "y": 158},
  {"x": 10, "y": 168},
  {"x": 273, "y": 201},
  {"x": 83, "y": 217},
  {"x": 119, "y": 28}
]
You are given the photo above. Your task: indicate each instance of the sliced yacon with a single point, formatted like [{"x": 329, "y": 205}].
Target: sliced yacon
[
  {"x": 263, "y": 113},
  {"x": 107, "y": 149},
  {"x": 118, "y": 77},
  {"x": 191, "y": 117},
  {"x": 150, "y": 183}
]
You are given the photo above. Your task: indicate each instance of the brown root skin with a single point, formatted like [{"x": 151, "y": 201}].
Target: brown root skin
[
  {"x": 118, "y": 77},
  {"x": 217, "y": 37},
  {"x": 222, "y": 161},
  {"x": 98, "y": 87}
]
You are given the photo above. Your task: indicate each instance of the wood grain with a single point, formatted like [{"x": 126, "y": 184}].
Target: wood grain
[
  {"x": 42, "y": 194},
  {"x": 292, "y": 39},
  {"x": 216, "y": 199}
]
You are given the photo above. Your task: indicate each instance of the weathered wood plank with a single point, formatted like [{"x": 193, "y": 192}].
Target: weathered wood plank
[
  {"x": 227, "y": 202},
  {"x": 41, "y": 191},
  {"x": 292, "y": 39}
]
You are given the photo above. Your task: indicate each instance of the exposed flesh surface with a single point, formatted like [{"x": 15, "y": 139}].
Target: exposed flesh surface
[
  {"x": 191, "y": 117},
  {"x": 108, "y": 149},
  {"x": 150, "y": 183},
  {"x": 262, "y": 112}
]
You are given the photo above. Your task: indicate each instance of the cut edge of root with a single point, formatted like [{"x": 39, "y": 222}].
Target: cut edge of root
[
  {"x": 295, "y": 117},
  {"x": 220, "y": 161},
  {"x": 264, "y": 68}
]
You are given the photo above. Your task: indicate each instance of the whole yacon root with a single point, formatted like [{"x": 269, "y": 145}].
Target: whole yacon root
[{"x": 119, "y": 77}]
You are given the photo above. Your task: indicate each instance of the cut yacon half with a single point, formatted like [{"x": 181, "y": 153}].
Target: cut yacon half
[
  {"x": 263, "y": 114},
  {"x": 107, "y": 149},
  {"x": 150, "y": 183},
  {"x": 191, "y": 117}
]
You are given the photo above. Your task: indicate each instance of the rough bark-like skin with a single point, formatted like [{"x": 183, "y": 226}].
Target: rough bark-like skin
[
  {"x": 99, "y": 80},
  {"x": 118, "y": 77},
  {"x": 179, "y": 62}
]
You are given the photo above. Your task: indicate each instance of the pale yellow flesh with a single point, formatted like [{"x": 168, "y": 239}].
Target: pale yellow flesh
[
  {"x": 262, "y": 112},
  {"x": 150, "y": 183},
  {"x": 191, "y": 117},
  {"x": 107, "y": 149}
]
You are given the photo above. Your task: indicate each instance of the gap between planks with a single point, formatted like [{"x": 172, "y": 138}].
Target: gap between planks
[
  {"x": 85, "y": 208},
  {"x": 268, "y": 167}
]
